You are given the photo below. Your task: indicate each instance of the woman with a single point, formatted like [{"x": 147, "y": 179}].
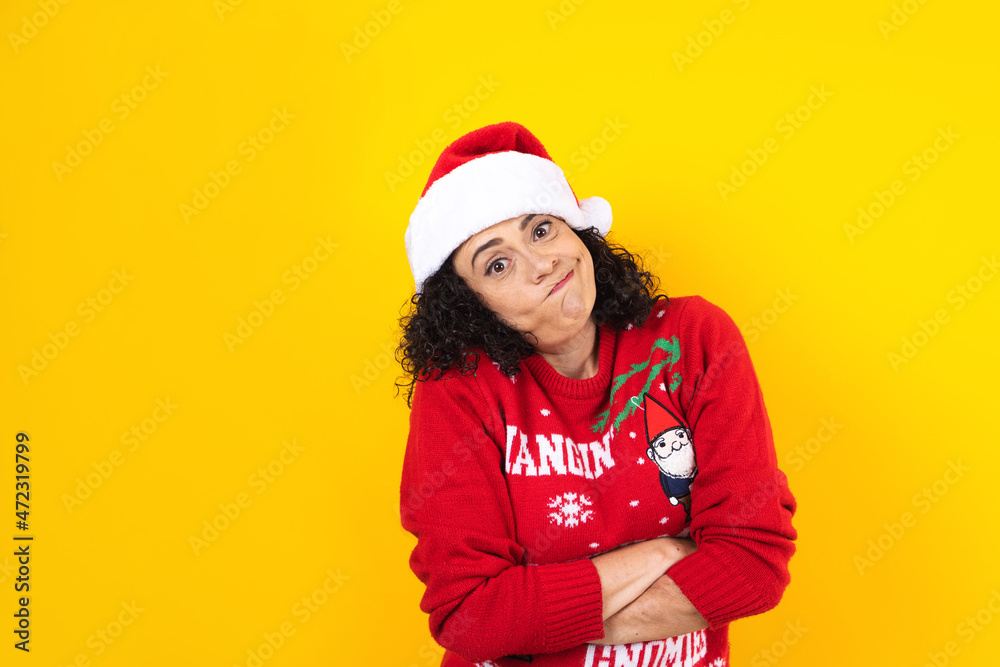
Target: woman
[{"x": 569, "y": 429}]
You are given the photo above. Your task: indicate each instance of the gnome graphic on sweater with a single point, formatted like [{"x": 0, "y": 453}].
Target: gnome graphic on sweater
[{"x": 671, "y": 450}]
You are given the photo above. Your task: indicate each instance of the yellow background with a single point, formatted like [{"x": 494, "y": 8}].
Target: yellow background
[{"x": 317, "y": 371}]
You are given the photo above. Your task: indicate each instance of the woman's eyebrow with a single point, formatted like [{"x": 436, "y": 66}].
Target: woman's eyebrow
[
  {"x": 488, "y": 244},
  {"x": 492, "y": 242}
]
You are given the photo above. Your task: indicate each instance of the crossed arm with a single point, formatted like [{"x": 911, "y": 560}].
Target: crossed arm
[{"x": 641, "y": 603}]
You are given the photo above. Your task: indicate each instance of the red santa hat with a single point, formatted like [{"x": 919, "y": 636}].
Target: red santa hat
[
  {"x": 489, "y": 175},
  {"x": 658, "y": 418}
]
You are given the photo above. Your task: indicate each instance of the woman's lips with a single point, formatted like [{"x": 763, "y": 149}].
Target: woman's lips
[{"x": 561, "y": 283}]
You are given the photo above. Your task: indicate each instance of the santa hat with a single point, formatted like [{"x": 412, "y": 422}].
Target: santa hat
[
  {"x": 489, "y": 175},
  {"x": 658, "y": 418}
]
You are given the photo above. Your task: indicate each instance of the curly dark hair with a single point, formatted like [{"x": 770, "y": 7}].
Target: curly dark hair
[{"x": 448, "y": 319}]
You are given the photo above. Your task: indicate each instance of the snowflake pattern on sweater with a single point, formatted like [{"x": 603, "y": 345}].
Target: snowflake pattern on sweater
[{"x": 571, "y": 509}]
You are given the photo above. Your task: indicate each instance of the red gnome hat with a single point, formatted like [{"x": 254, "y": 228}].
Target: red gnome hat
[{"x": 658, "y": 418}]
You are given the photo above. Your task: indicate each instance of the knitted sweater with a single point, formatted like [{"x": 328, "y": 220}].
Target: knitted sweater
[{"x": 511, "y": 484}]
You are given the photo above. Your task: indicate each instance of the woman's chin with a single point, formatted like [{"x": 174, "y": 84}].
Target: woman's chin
[{"x": 574, "y": 308}]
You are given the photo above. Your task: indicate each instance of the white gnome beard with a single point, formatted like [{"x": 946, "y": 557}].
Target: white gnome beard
[{"x": 679, "y": 461}]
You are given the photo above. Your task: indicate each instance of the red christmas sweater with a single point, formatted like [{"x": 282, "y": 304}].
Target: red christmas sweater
[{"x": 511, "y": 484}]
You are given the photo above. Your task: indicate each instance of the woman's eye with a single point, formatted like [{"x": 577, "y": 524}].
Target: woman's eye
[
  {"x": 542, "y": 229},
  {"x": 497, "y": 266}
]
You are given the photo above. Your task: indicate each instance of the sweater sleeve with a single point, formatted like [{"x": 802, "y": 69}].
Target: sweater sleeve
[
  {"x": 741, "y": 506},
  {"x": 483, "y": 601}
]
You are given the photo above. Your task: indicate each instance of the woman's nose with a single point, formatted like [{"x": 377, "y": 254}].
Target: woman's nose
[{"x": 541, "y": 263}]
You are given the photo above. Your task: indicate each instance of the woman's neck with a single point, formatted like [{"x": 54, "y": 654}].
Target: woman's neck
[{"x": 579, "y": 357}]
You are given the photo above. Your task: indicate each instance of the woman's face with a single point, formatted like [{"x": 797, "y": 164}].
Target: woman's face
[{"x": 535, "y": 273}]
